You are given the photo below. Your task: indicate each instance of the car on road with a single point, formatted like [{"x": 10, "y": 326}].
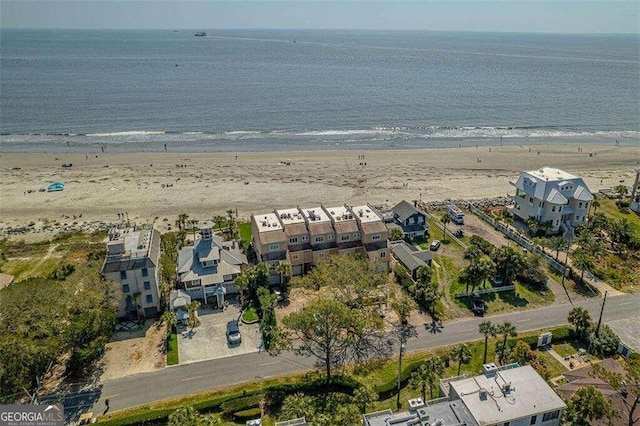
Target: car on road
[
  {"x": 233, "y": 333},
  {"x": 435, "y": 245}
]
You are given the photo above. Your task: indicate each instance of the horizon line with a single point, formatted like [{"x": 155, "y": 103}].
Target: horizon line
[{"x": 313, "y": 29}]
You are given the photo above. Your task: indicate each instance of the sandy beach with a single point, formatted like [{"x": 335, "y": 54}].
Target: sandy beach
[{"x": 154, "y": 186}]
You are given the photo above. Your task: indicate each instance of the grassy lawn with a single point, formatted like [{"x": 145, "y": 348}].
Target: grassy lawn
[
  {"x": 172, "y": 348},
  {"x": 609, "y": 208},
  {"x": 249, "y": 315},
  {"x": 568, "y": 348},
  {"x": 40, "y": 259},
  {"x": 244, "y": 228}
]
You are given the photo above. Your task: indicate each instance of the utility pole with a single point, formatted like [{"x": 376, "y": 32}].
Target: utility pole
[
  {"x": 402, "y": 347},
  {"x": 601, "y": 311}
]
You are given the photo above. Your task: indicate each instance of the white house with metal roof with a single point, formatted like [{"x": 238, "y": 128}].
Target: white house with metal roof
[{"x": 550, "y": 194}]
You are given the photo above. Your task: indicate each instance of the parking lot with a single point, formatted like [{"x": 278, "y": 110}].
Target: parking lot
[{"x": 209, "y": 341}]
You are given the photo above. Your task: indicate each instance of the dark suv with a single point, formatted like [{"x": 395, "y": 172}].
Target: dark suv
[{"x": 233, "y": 333}]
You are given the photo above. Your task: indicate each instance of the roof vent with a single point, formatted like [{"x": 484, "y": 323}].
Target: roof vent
[
  {"x": 483, "y": 394},
  {"x": 422, "y": 413}
]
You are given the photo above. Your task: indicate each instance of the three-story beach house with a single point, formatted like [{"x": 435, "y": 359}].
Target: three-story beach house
[
  {"x": 551, "y": 195},
  {"x": 208, "y": 268},
  {"x": 133, "y": 255}
]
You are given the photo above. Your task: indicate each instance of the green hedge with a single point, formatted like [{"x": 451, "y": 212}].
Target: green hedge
[
  {"x": 246, "y": 415},
  {"x": 172, "y": 348},
  {"x": 240, "y": 404},
  {"x": 390, "y": 388}
]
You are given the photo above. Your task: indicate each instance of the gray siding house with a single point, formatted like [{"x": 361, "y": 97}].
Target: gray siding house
[
  {"x": 133, "y": 255},
  {"x": 208, "y": 269}
]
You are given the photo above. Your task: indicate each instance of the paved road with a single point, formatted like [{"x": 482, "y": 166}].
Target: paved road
[{"x": 185, "y": 379}]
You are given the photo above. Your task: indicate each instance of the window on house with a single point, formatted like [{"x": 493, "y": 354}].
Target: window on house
[
  {"x": 321, "y": 255},
  {"x": 375, "y": 237},
  {"x": 149, "y": 298},
  {"x": 553, "y": 208},
  {"x": 295, "y": 257},
  {"x": 531, "y": 199},
  {"x": 577, "y": 218},
  {"x": 347, "y": 253},
  {"x": 293, "y": 240},
  {"x": 331, "y": 237},
  {"x": 420, "y": 219},
  {"x": 534, "y": 419},
  {"x": 551, "y": 415},
  {"x": 147, "y": 285},
  {"x": 305, "y": 238},
  {"x": 579, "y": 205},
  {"x": 319, "y": 239},
  {"x": 125, "y": 288},
  {"x": 356, "y": 235},
  {"x": 383, "y": 254},
  {"x": 123, "y": 275},
  {"x": 344, "y": 238},
  {"x": 411, "y": 221},
  {"x": 274, "y": 247},
  {"x": 145, "y": 272}
]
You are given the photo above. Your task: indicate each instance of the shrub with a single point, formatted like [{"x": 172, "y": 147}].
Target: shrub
[
  {"x": 62, "y": 272},
  {"x": 606, "y": 344}
]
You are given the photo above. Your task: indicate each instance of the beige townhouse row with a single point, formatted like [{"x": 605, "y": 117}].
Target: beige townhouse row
[{"x": 304, "y": 236}]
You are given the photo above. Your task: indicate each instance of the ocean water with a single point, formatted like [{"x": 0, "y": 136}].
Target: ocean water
[{"x": 134, "y": 90}]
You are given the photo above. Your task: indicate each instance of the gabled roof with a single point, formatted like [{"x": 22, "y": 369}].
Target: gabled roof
[
  {"x": 294, "y": 229},
  {"x": 405, "y": 210},
  {"x": 230, "y": 262},
  {"x": 581, "y": 193},
  {"x": 346, "y": 227},
  {"x": 374, "y": 227},
  {"x": 406, "y": 255},
  {"x": 555, "y": 197},
  {"x": 546, "y": 183}
]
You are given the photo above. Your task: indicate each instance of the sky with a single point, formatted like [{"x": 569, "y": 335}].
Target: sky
[{"x": 558, "y": 16}]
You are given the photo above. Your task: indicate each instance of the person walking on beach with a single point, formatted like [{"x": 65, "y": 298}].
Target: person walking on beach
[{"x": 165, "y": 147}]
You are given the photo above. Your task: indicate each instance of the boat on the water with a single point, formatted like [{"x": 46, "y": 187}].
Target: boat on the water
[{"x": 200, "y": 34}]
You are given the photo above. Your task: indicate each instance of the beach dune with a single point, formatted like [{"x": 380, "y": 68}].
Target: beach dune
[{"x": 147, "y": 186}]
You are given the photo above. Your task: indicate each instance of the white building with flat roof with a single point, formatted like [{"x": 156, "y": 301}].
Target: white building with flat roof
[
  {"x": 552, "y": 195},
  {"x": 509, "y": 395}
]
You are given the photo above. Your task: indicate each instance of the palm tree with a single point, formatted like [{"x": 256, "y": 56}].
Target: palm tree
[
  {"x": 595, "y": 205},
  {"x": 460, "y": 353},
  {"x": 557, "y": 244},
  {"x": 445, "y": 221},
  {"x": 546, "y": 226},
  {"x": 170, "y": 318},
  {"x": 182, "y": 220},
  {"x": 192, "y": 308},
  {"x": 364, "y": 396},
  {"x": 396, "y": 234},
  {"x": 284, "y": 269},
  {"x": 583, "y": 262},
  {"x": 403, "y": 306},
  {"x": 488, "y": 329},
  {"x": 231, "y": 224},
  {"x": 427, "y": 375},
  {"x": 241, "y": 284},
  {"x": 296, "y": 406},
  {"x": 486, "y": 269},
  {"x": 533, "y": 224},
  {"x": 580, "y": 319},
  {"x": 218, "y": 220},
  {"x": 506, "y": 329},
  {"x": 621, "y": 190},
  {"x": 423, "y": 275}
]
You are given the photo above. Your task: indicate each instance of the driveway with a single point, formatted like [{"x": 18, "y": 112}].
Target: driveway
[{"x": 209, "y": 341}]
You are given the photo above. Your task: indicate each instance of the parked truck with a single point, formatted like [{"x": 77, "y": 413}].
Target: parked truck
[{"x": 455, "y": 214}]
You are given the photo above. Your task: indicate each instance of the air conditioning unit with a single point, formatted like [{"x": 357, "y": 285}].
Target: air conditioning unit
[
  {"x": 483, "y": 394},
  {"x": 415, "y": 403},
  {"x": 422, "y": 413}
]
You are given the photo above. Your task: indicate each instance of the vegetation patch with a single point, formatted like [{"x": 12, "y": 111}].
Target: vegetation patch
[
  {"x": 172, "y": 348},
  {"x": 249, "y": 315}
]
